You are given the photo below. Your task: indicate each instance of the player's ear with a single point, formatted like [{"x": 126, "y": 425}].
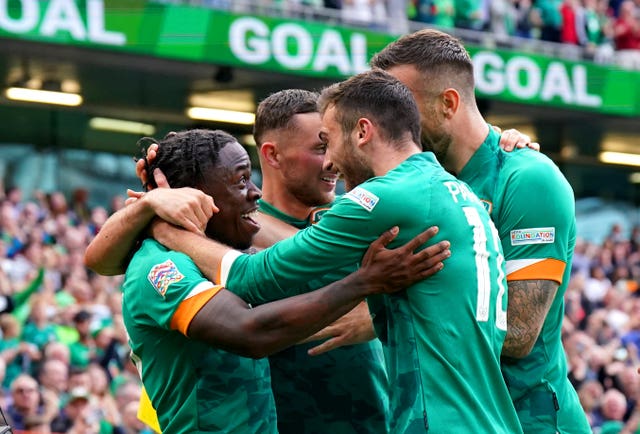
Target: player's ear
[
  {"x": 269, "y": 154},
  {"x": 364, "y": 131},
  {"x": 450, "y": 99}
]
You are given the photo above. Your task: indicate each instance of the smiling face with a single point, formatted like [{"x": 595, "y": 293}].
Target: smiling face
[
  {"x": 230, "y": 185},
  {"x": 302, "y": 158},
  {"x": 342, "y": 153}
]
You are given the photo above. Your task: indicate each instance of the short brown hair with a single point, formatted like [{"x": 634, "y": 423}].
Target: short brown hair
[
  {"x": 277, "y": 110},
  {"x": 378, "y": 96},
  {"x": 433, "y": 53}
]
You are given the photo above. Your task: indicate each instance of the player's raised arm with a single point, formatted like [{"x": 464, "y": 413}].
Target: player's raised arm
[
  {"x": 226, "y": 322},
  {"x": 109, "y": 252}
]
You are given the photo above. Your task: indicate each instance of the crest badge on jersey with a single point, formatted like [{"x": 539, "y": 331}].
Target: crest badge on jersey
[
  {"x": 488, "y": 205},
  {"x": 163, "y": 275},
  {"x": 317, "y": 213},
  {"x": 521, "y": 237},
  {"x": 364, "y": 198}
]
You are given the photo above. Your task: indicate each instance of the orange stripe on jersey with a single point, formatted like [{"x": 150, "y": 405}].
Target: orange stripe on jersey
[
  {"x": 545, "y": 269},
  {"x": 189, "y": 307},
  {"x": 219, "y": 276}
]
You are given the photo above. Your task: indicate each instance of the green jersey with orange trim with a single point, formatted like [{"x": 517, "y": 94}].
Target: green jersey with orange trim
[
  {"x": 532, "y": 205},
  {"x": 444, "y": 334},
  {"x": 193, "y": 387},
  {"x": 342, "y": 391}
]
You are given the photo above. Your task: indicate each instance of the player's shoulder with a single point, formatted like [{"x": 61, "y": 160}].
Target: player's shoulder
[
  {"x": 532, "y": 167},
  {"x": 154, "y": 256}
]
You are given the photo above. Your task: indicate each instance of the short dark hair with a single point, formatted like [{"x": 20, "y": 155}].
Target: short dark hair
[
  {"x": 277, "y": 110},
  {"x": 378, "y": 96},
  {"x": 185, "y": 157},
  {"x": 431, "y": 52}
]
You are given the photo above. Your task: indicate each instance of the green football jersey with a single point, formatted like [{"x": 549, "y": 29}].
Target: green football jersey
[
  {"x": 532, "y": 205},
  {"x": 342, "y": 391},
  {"x": 194, "y": 388},
  {"x": 444, "y": 334}
]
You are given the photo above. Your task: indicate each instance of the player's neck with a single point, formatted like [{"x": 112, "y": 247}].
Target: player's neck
[
  {"x": 467, "y": 138},
  {"x": 391, "y": 156},
  {"x": 280, "y": 198}
]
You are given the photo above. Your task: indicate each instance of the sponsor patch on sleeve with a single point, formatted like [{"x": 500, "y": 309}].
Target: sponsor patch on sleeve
[
  {"x": 163, "y": 275},
  {"x": 521, "y": 237},
  {"x": 364, "y": 198}
]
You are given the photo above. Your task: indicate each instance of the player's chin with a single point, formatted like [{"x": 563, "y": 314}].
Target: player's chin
[
  {"x": 327, "y": 197},
  {"x": 247, "y": 230},
  {"x": 248, "y": 225}
]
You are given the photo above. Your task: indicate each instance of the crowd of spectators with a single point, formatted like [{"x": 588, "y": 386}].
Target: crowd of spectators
[
  {"x": 606, "y": 31},
  {"x": 64, "y": 359},
  {"x": 601, "y": 330}
]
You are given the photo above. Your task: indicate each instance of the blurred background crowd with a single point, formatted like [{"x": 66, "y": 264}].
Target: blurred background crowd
[
  {"x": 64, "y": 362},
  {"x": 64, "y": 359}
]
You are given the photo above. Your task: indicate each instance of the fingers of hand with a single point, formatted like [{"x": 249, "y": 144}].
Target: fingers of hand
[
  {"x": 430, "y": 260},
  {"x": 134, "y": 194},
  {"x": 324, "y": 347},
  {"x": 209, "y": 206},
  {"x": 190, "y": 215},
  {"x": 421, "y": 238},
  {"x": 438, "y": 264},
  {"x": 161, "y": 180},
  {"x": 386, "y": 237},
  {"x": 325, "y": 333},
  {"x": 434, "y": 250},
  {"x": 378, "y": 245},
  {"x": 140, "y": 170}
]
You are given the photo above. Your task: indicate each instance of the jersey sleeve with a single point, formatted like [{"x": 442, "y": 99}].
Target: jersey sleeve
[
  {"x": 337, "y": 241},
  {"x": 172, "y": 290},
  {"x": 537, "y": 223}
]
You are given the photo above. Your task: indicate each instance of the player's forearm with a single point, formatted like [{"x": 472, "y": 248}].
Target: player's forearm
[
  {"x": 204, "y": 252},
  {"x": 109, "y": 252},
  {"x": 283, "y": 323},
  {"x": 529, "y": 303}
]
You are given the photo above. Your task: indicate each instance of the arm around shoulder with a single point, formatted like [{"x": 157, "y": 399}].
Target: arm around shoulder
[{"x": 109, "y": 252}]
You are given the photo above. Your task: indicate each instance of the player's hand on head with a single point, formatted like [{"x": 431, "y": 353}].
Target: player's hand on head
[
  {"x": 391, "y": 270},
  {"x": 132, "y": 196},
  {"x": 185, "y": 207},
  {"x": 513, "y": 139},
  {"x": 141, "y": 165},
  {"x": 160, "y": 179}
]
